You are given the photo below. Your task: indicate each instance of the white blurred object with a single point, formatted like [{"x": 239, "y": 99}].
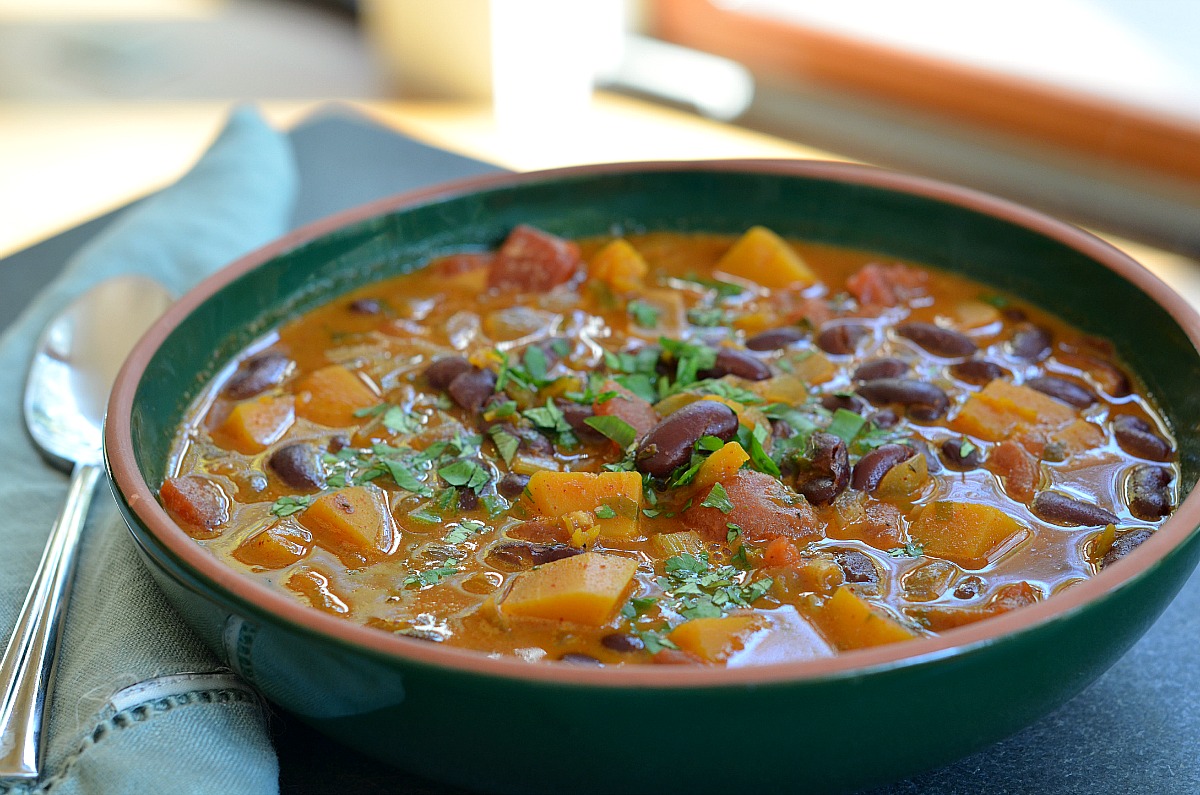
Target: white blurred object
[{"x": 716, "y": 87}]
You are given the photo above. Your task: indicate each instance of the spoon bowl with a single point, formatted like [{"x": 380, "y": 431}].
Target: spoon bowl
[{"x": 74, "y": 365}]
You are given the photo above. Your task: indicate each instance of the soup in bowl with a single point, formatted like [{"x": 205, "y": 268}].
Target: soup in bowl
[{"x": 791, "y": 445}]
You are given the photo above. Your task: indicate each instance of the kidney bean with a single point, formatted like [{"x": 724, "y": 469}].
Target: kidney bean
[
  {"x": 338, "y": 442},
  {"x": 781, "y": 429},
  {"x": 531, "y": 441},
  {"x": 580, "y": 659},
  {"x": 1137, "y": 437},
  {"x": 575, "y": 414},
  {"x": 511, "y": 555},
  {"x": 856, "y": 566},
  {"x": 1148, "y": 491},
  {"x": 512, "y": 485},
  {"x": 871, "y": 468},
  {"x": 848, "y": 402},
  {"x": 952, "y": 451},
  {"x": 977, "y": 371},
  {"x": 881, "y": 368},
  {"x": 443, "y": 371},
  {"x": 669, "y": 444},
  {"x": 468, "y": 500},
  {"x": 299, "y": 466},
  {"x": 1030, "y": 343},
  {"x": 731, "y": 361},
  {"x": 841, "y": 338},
  {"x": 366, "y": 306},
  {"x": 884, "y": 418},
  {"x": 471, "y": 388},
  {"x": 938, "y": 340},
  {"x": 622, "y": 641},
  {"x": 1062, "y": 389},
  {"x": 257, "y": 375},
  {"x": 923, "y": 400},
  {"x": 828, "y": 472},
  {"x": 969, "y": 587},
  {"x": 1123, "y": 545},
  {"x": 775, "y": 339},
  {"x": 1058, "y": 508}
]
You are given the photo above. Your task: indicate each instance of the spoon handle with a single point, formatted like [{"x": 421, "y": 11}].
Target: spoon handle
[{"x": 28, "y": 663}]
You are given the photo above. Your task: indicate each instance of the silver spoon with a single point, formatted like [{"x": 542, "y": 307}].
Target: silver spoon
[{"x": 73, "y": 369}]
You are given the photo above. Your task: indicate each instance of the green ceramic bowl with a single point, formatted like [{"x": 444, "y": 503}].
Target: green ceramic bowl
[{"x": 859, "y": 719}]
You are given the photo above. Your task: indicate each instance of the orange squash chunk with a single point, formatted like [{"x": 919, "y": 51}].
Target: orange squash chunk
[
  {"x": 331, "y": 395},
  {"x": 963, "y": 532},
  {"x": 585, "y": 589},
  {"x": 716, "y": 639},
  {"x": 281, "y": 544},
  {"x": 254, "y": 425},
  {"x": 719, "y": 467},
  {"x": 851, "y": 623},
  {"x": 765, "y": 258},
  {"x": 556, "y": 494},
  {"x": 314, "y": 586},
  {"x": 353, "y": 520},
  {"x": 620, "y": 266},
  {"x": 1001, "y": 408}
]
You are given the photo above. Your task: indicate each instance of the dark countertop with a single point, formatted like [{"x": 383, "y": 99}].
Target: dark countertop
[{"x": 1134, "y": 730}]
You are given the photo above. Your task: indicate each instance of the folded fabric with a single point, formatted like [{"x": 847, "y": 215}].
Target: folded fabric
[{"x": 139, "y": 705}]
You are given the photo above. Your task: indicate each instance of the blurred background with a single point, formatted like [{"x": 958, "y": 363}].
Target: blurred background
[{"x": 1087, "y": 109}]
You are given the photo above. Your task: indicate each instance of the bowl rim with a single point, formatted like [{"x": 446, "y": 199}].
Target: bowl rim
[{"x": 255, "y": 598}]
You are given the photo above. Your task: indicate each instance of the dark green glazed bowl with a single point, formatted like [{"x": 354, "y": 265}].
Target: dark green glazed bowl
[{"x": 857, "y": 720}]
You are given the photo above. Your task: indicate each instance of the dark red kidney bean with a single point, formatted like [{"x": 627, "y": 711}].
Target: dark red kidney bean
[
  {"x": 977, "y": 371},
  {"x": 956, "y": 459},
  {"x": 884, "y": 418},
  {"x": 1030, "y": 343},
  {"x": 938, "y": 340},
  {"x": 881, "y": 368},
  {"x": 828, "y": 470},
  {"x": 775, "y": 339},
  {"x": 622, "y": 642},
  {"x": 257, "y": 375},
  {"x": 1137, "y": 437},
  {"x": 969, "y": 587},
  {"x": 366, "y": 306},
  {"x": 471, "y": 388},
  {"x": 338, "y": 442},
  {"x": 531, "y": 441},
  {"x": 1062, "y": 389},
  {"x": 856, "y": 566},
  {"x": 848, "y": 402},
  {"x": 841, "y": 338},
  {"x": 511, "y": 555},
  {"x": 299, "y": 466},
  {"x": 576, "y": 658},
  {"x": 512, "y": 485},
  {"x": 871, "y": 468},
  {"x": 468, "y": 500},
  {"x": 1050, "y": 506},
  {"x": 923, "y": 400},
  {"x": 669, "y": 444},
  {"x": 1148, "y": 491},
  {"x": 781, "y": 429},
  {"x": 731, "y": 361},
  {"x": 575, "y": 414},
  {"x": 1123, "y": 545},
  {"x": 443, "y": 371}
]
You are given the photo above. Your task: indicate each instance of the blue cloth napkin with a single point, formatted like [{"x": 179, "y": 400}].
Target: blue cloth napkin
[{"x": 140, "y": 705}]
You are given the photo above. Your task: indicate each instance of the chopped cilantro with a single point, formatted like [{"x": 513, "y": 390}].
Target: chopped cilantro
[
  {"x": 432, "y": 576},
  {"x": 506, "y": 443},
  {"x": 464, "y": 530},
  {"x": 644, "y": 314},
  {"x": 466, "y": 472},
  {"x": 721, "y": 289},
  {"x": 288, "y": 505},
  {"x": 752, "y": 441},
  {"x": 698, "y": 589},
  {"x": 706, "y": 316},
  {"x": 535, "y": 363},
  {"x": 689, "y": 359},
  {"x": 494, "y": 504},
  {"x": 424, "y": 515},
  {"x": 655, "y": 641},
  {"x": 709, "y": 444},
  {"x": 966, "y": 448},
  {"x": 998, "y": 301},
  {"x": 637, "y": 605},
  {"x": 846, "y": 425},
  {"x": 639, "y": 384},
  {"x": 614, "y": 428},
  {"x": 718, "y": 498},
  {"x": 909, "y": 550},
  {"x": 605, "y": 512}
]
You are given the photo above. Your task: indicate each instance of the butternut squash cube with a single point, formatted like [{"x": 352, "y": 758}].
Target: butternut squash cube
[
  {"x": 851, "y": 623},
  {"x": 585, "y": 589},
  {"x": 905, "y": 480},
  {"x": 965, "y": 533},
  {"x": 353, "y": 520},
  {"x": 720, "y": 466},
  {"x": 614, "y": 497},
  {"x": 331, "y": 395},
  {"x": 1001, "y": 408},
  {"x": 280, "y": 544},
  {"x": 763, "y": 257},
  {"x": 716, "y": 639},
  {"x": 315, "y": 587},
  {"x": 254, "y": 425},
  {"x": 620, "y": 266}
]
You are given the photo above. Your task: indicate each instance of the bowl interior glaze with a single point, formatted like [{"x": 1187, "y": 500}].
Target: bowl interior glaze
[{"x": 1054, "y": 265}]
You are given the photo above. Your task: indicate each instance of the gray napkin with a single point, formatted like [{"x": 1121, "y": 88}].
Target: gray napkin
[{"x": 140, "y": 705}]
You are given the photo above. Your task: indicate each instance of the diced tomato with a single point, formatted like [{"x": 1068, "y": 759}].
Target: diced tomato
[
  {"x": 1017, "y": 467},
  {"x": 195, "y": 501},
  {"x": 780, "y": 552},
  {"x": 531, "y": 260},
  {"x": 877, "y": 285},
  {"x": 760, "y": 506},
  {"x": 636, "y": 411}
]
